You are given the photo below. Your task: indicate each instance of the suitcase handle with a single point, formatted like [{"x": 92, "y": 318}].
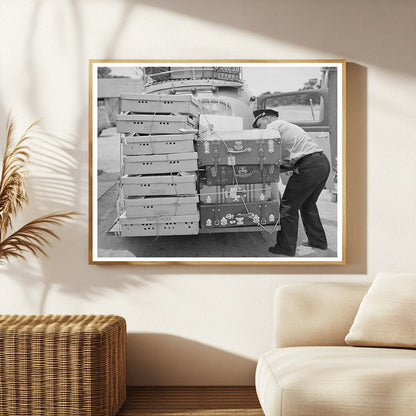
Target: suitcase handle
[
  {"x": 244, "y": 175},
  {"x": 246, "y": 150}
]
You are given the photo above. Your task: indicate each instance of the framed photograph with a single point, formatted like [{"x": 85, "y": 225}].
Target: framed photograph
[{"x": 217, "y": 162}]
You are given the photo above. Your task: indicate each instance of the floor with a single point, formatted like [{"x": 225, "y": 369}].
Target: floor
[{"x": 191, "y": 401}]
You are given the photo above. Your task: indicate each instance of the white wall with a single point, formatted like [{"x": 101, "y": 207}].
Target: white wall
[{"x": 204, "y": 324}]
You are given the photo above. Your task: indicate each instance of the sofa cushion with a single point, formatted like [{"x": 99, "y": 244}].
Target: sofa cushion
[
  {"x": 387, "y": 314},
  {"x": 342, "y": 381},
  {"x": 315, "y": 314}
]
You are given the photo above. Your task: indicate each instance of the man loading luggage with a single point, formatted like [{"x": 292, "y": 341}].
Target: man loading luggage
[{"x": 310, "y": 166}]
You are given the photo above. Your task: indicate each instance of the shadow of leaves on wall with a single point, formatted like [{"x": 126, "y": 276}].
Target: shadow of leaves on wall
[
  {"x": 311, "y": 25},
  {"x": 61, "y": 180}
]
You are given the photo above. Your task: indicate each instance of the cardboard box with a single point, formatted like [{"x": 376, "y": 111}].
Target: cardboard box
[
  {"x": 175, "y": 184},
  {"x": 159, "y": 226},
  {"x": 171, "y": 163},
  {"x": 160, "y": 104},
  {"x": 140, "y": 206},
  {"x": 154, "y": 124},
  {"x": 217, "y": 122},
  {"x": 134, "y": 144}
]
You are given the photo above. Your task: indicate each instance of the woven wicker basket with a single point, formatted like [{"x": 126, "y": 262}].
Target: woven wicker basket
[{"x": 52, "y": 365}]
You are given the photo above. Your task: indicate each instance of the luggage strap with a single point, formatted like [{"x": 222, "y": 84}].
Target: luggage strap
[{"x": 153, "y": 121}]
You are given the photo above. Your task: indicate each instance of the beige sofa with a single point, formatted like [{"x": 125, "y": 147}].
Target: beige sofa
[{"x": 311, "y": 371}]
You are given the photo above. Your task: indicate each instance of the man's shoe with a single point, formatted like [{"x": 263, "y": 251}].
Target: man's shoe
[
  {"x": 278, "y": 250},
  {"x": 307, "y": 243}
]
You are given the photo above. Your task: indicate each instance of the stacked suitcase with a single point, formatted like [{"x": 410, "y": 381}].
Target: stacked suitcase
[
  {"x": 240, "y": 169},
  {"x": 158, "y": 182}
]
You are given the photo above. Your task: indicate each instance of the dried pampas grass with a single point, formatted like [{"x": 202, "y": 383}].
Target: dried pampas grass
[{"x": 34, "y": 236}]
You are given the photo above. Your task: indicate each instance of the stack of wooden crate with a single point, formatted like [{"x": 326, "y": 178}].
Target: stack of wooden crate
[
  {"x": 240, "y": 168},
  {"x": 159, "y": 165}
]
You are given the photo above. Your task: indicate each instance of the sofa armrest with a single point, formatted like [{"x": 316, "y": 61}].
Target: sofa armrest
[{"x": 309, "y": 314}]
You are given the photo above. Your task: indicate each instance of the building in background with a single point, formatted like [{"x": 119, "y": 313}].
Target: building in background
[{"x": 109, "y": 91}]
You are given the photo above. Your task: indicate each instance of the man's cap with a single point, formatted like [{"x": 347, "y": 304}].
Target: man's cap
[{"x": 258, "y": 114}]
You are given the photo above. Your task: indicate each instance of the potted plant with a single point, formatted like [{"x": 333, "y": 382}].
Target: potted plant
[{"x": 34, "y": 236}]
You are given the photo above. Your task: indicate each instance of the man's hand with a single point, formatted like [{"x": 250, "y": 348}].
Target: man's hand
[{"x": 285, "y": 167}]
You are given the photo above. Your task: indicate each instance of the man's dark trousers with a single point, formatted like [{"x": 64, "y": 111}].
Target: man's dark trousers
[{"x": 302, "y": 191}]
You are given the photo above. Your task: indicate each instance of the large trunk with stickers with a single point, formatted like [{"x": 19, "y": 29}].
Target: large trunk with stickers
[
  {"x": 217, "y": 216},
  {"x": 246, "y": 147},
  {"x": 230, "y": 175},
  {"x": 234, "y": 193}
]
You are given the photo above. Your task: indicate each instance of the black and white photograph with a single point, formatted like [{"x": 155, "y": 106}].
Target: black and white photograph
[{"x": 217, "y": 162}]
